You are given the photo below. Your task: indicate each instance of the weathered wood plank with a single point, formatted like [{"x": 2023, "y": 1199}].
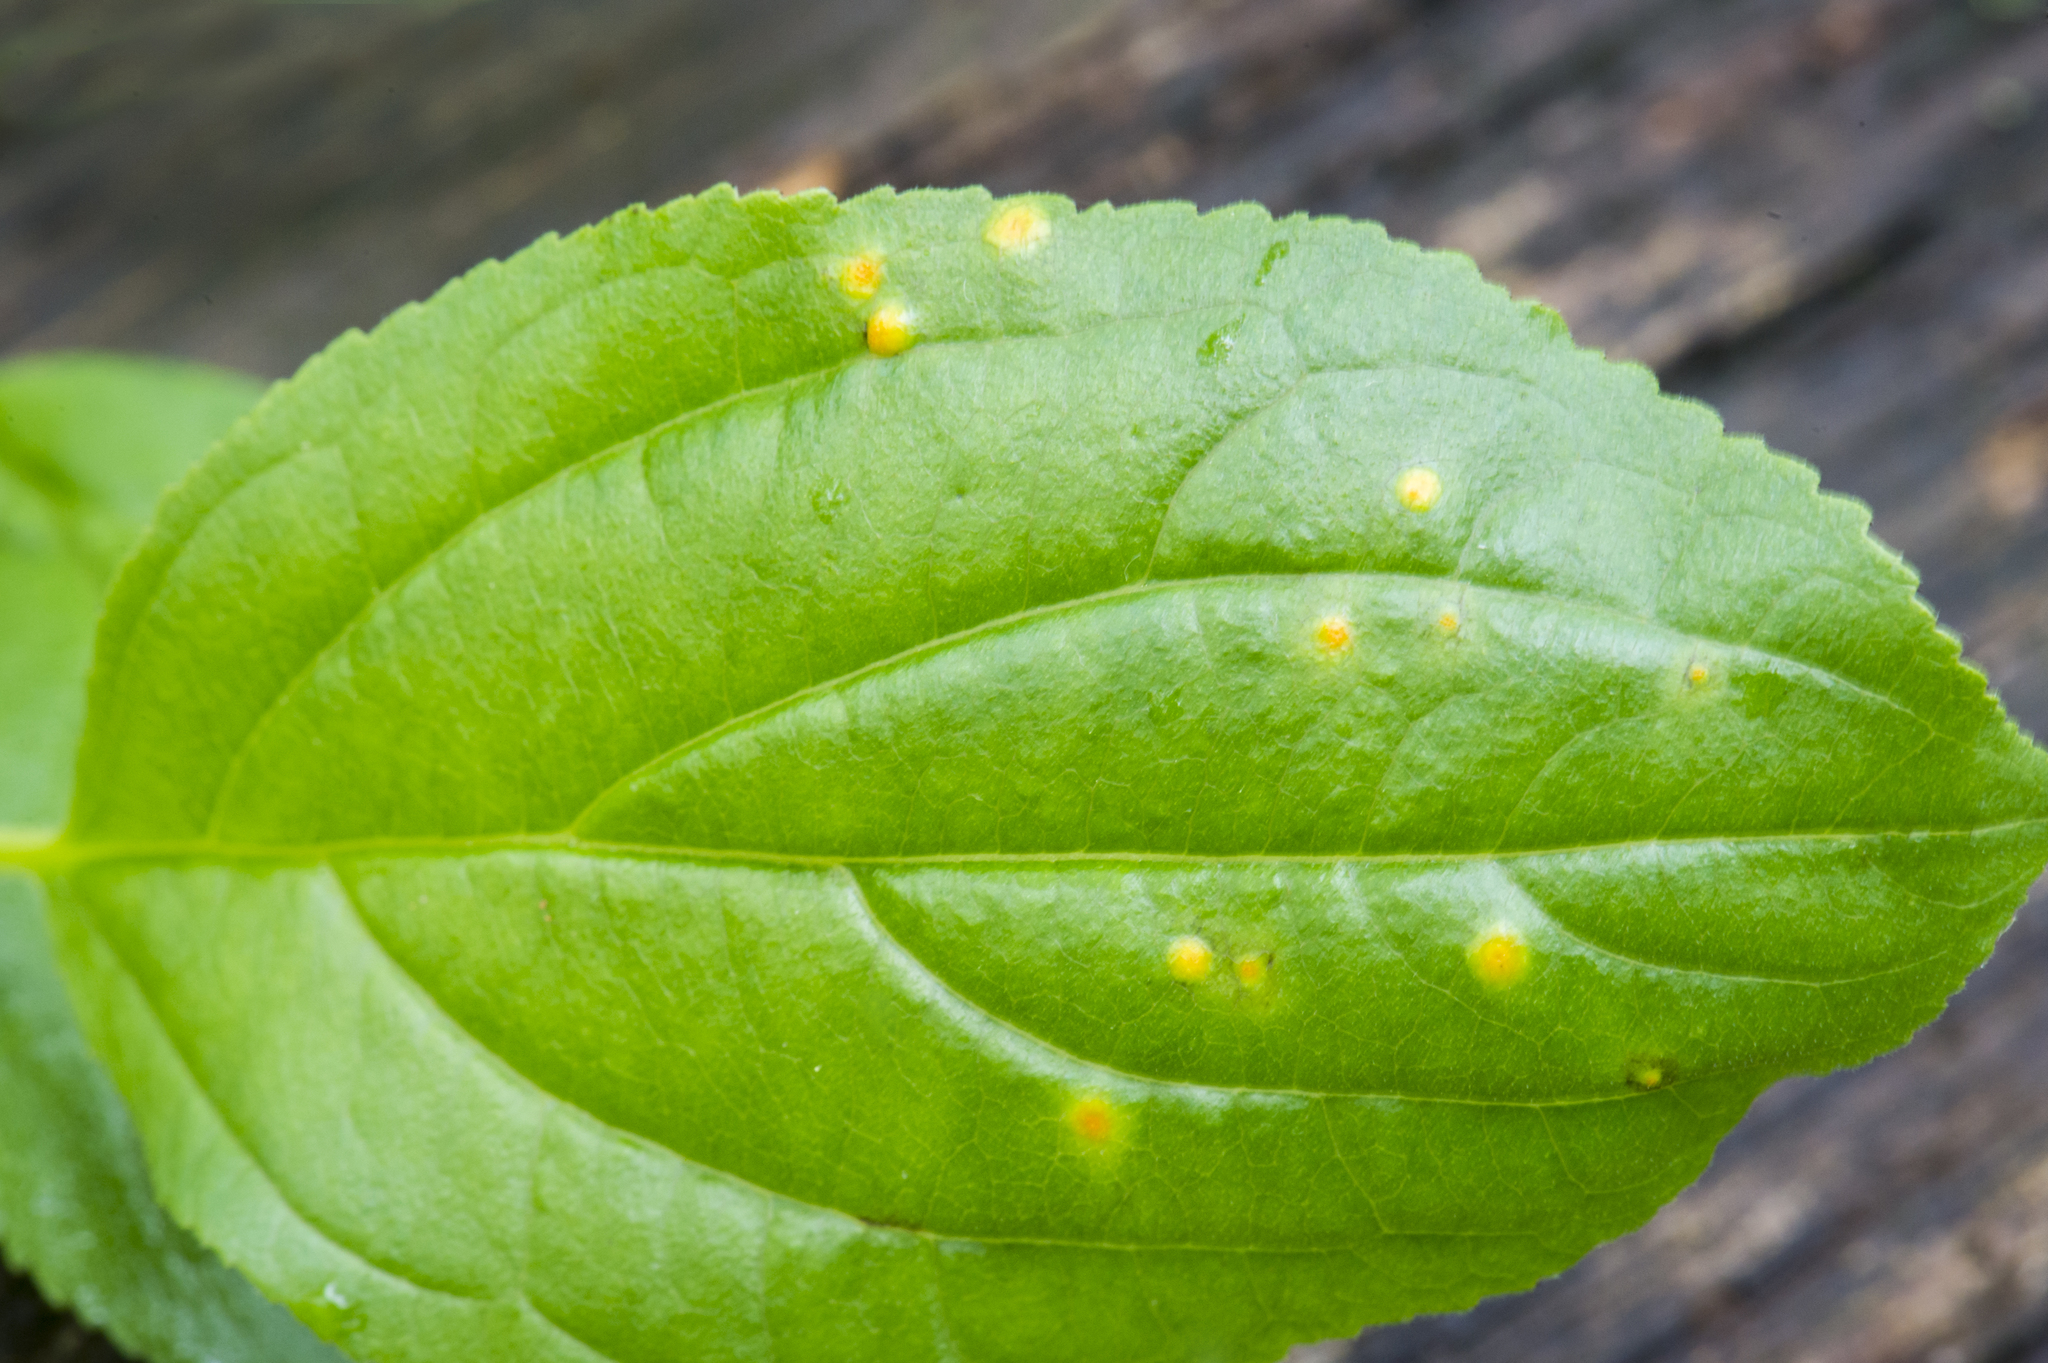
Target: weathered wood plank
[{"x": 240, "y": 182}]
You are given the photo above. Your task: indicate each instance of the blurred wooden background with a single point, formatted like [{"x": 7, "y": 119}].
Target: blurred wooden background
[{"x": 1827, "y": 217}]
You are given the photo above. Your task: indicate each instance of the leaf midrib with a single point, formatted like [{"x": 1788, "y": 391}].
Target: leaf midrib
[
  {"x": 439, "y": 1013},
  {"x": 62, "y": 856},
  {"x": 57, "y": 860}
]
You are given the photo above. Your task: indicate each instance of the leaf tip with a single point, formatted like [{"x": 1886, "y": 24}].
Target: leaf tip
[{"x": 1545, "y": 315}]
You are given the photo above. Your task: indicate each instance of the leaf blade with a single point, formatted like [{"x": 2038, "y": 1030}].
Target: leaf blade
[{"x": 1206, "y": 754}]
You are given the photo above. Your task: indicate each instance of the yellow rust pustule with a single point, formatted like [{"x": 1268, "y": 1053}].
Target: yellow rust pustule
[
  {"x": 861, "y": 276},
  {"x": 1188, "y": 959},
  {"x": 891, "y": 330},
  {"x": 1448, "y": 621},
  {"x": 1499, "y": 959},
  {"x": 1646, "y": 1073},
  {"x": 1094, "y": 1120},
  {"x": 1419, "y": 489},
  {"x": 1334, "y": 635},
  {"x": 1018, "y": 229},
  {"x": 1253, "y": 971},
  {"x": 1696, "y": 675}
]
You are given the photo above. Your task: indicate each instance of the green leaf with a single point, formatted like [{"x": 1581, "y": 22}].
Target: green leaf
[
  {"x": 75, "y": 1203},
  {"x": 1221, "y": 783},
  {"x": 87, "y": 442}
]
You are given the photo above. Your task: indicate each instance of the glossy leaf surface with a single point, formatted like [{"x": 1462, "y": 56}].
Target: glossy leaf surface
[
  {"x": 933, "y": 778},
  {"x": 87, "y": 443}
]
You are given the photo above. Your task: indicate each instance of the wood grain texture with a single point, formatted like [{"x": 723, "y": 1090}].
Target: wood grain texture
[{"x": 1827, "y": 217}]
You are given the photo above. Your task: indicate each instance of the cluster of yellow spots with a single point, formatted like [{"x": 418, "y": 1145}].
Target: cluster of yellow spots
[
  {"x": 1334, "y": 634},
  {"x": 892, "y": 327},
  {"x": 1191, "y": 960},
  {"x": 1094, "y": 1120},
  {"x": 1419, "y": 489},
  {"x": 1646, "y": 1074},
  {"x": 1021, "y": 227},
  {"x": 1499, "y": 960},
  {"x": 1696, "y": 675}
]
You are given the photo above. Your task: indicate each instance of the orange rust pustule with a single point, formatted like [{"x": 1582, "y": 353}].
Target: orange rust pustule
[
  {"x": 1093, "y": 1120},
  {"x": 1333, "y": 634}
]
